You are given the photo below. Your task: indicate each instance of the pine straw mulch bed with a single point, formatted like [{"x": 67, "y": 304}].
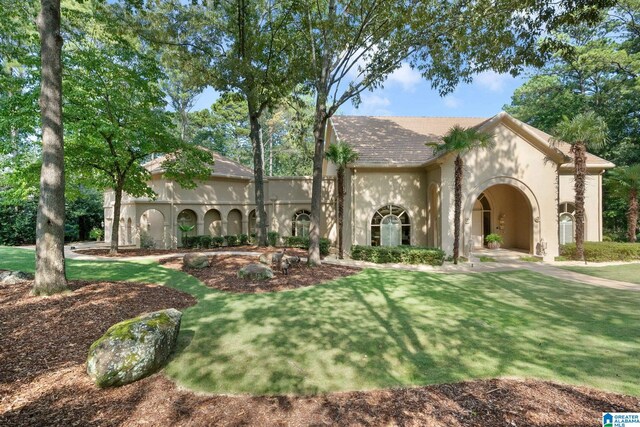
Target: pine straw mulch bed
[
  {"x": 149, "y": 252},
  {"x": 44, "y": 342},
  {"x": 222, "y": 274}
]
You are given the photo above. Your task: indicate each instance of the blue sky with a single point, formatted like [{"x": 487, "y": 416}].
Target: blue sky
[{"x": 405, "y": 93}]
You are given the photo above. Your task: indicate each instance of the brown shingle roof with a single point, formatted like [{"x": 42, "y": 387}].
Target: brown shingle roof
[
  {"x": 395, "y": 140},
  {"x": 223, "y": 166},
  {"x": 402, "y": 140}
]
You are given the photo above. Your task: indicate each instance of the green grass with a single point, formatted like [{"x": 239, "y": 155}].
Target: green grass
[
  {"x": 626, "y": 273},
  {"x": 485, "y": 258},
  {"x": 530, "y": 259},
  {"x": 388, "y": 328}
]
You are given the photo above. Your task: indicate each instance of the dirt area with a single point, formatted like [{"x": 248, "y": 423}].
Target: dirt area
[
  {"x": 44, "y": 343},
  {"x": 223, "y": 270},
  {"x": 148, "y": 252}
]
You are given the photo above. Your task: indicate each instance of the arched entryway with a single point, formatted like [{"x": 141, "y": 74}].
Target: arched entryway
[
  {"x": 187, "y": 221},
  {"x": 213, "y": 223},
  {"x": 505, "y": 210},
  {"x": 234, "y": 222},
  {"x": 152, "y": 229}
]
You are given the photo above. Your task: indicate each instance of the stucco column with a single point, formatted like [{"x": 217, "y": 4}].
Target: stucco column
[
  {"x": 244, "y": 225},
  {"x": 200, "y": 228},
  {"x": 224, "y": 227},
  {"x": 166, "y": 235}
]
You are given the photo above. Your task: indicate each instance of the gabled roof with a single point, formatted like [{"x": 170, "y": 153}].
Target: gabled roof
[
  {"x": 401, "y": 141},
  {"x": 223, "y": 167}
]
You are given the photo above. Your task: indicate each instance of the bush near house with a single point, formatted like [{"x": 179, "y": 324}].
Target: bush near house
[
  {"x": 272, "y": 238},
  {"x": 603, "y": 251},
  {"x": 203, "y": 242},
  {"x": 398, "y": 254},
  {"x": 231, "y": 240},
  {"x": 303, "y": 243}
]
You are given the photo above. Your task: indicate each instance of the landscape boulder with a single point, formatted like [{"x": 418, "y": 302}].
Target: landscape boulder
[
  {"x": 265, "y": 258},
  {"x": 255, "y": 272},
  {"x": 134, "y": 348},
  {"x": 14, "y": 277},
  {"x": 195, "y": 260}
]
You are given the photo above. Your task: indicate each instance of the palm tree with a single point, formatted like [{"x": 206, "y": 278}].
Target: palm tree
[
  {"x": 586, "y": 130},
  {"x": 624, "y": 182},
  {"x": 341, "y": 155},
  {"x": 461, "y": 140}
]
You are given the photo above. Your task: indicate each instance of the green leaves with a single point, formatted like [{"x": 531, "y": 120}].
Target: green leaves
[
  {"x": 585, "y": 128},
  {"x": 341, "y": 154},
  {"x": 461, "y": 140}
]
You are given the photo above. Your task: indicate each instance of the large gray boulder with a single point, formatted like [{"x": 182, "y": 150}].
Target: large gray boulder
[
  {"x": 255, "y": 272},
  {"x": 134, "y": 348},
  {"x": 195, "y": 260},
  {"x": 14, "y": 277}
]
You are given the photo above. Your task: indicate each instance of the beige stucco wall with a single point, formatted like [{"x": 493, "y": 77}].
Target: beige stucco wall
[
  {"x": 515, "y": 162},
  {"x": 283, "y": 197},
  {"x": 373, "y": 189},
  {"x": 592, "y": 202}
]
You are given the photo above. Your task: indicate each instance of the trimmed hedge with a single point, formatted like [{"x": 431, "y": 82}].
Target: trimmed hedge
[
  {"x": 231, "y": 240},
  {"x": 272, "y": 238},
  {"x": 603, "y": 251},
  {"x": 398, "y": 254},
  {"x": 303, "y": 243},
  {"x": 203, "y": 242}
]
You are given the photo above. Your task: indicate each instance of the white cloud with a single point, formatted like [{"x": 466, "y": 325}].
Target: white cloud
[
  {"x": 451, "y": 101},
  {"x": 373, "y": 105},
  {"x": 492, "y": 81},
  {"x": 405, "y": 76}
]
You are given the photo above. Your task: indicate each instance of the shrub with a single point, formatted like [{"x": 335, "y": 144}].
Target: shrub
[
  {"x": 203, "y": 242},
  {"x": 231, "y": 240},
  {"x": 493, "y": 238},
  {"x": 253, "y": 238},
  {"x": 272, "y": 238},
  {"x": 146, "y": 241},
  {"x": 398, "y": 254},
  {"x": 303, "y": 243},
  {"x": 325, "y": 244},
  {"x": 96, "y": 234},
  {"x": 603, "y": 251},
  {"x": 243, "y": 239},
  {"x": 217, "y": 241},
  {"x": 297, "y": 242}
]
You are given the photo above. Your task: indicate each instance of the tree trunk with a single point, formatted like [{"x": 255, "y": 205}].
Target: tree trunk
[
  {"x": 457, "y": 208},
  {"x": 50, "y": 274},
  {"x": 258, "y": 173},
  {"x": 340, "y": 209},
  {"x": 115, "y": 225},
  {"x": 316, "y": 188},
  {"x": 632, "y": 215},
  {"x": 579, "y": 155}
]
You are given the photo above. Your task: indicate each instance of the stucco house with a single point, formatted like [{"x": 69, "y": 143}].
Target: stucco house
[{"x": 397, "y": 192}]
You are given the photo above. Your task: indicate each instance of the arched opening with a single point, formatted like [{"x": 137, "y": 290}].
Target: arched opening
[
  {"x": 567, "y": 223},
  {"x": 481, "y": 221},
  {"x": 301, "y": 223},
  {"x": 253, "y": 222},
  {"x": 152, "y": 229},
  {"x": 234, "y": 222},
  {"x": 129, "y": 226},
  {"x": 213, "y": 222},
  {"x": 503, "y": 209},
  {"x": 390, "y": 226},
  {"x": 187, "y": 220}
]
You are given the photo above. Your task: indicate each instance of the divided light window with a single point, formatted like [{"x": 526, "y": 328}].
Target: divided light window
[{"x": 390, "y": 226}]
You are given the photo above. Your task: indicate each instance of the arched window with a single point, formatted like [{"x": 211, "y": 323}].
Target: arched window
[
  {"x": 567, "y": 223},
  {"x": 390, "y": 226},
  {"x": 301, "y": 222}
]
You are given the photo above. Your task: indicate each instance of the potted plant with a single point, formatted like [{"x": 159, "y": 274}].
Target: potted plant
[{"x": 493, "y": 241}]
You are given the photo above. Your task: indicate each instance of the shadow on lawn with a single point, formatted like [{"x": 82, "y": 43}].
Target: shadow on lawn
[{"x": 387, "y": 328}]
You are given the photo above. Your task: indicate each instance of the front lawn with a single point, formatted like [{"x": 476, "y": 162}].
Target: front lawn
[
  {"x": 625, "y": 273},
  {"x": 388, "y": 328}
]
